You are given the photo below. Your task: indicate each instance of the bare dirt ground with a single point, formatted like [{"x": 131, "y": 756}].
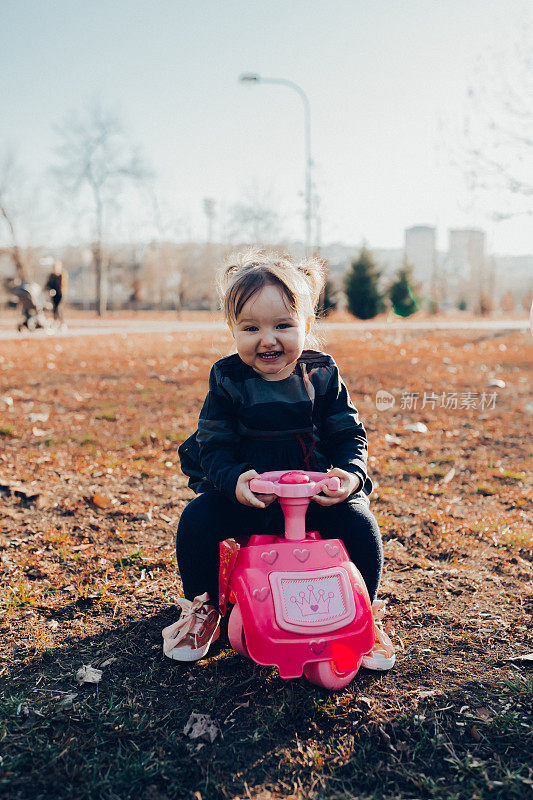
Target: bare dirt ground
[{"x": 90, "y": 495}]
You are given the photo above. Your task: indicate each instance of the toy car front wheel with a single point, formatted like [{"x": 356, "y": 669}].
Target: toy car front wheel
[
  {"x": 236, "y": 632},
  {"x": 324, "y": 673}
]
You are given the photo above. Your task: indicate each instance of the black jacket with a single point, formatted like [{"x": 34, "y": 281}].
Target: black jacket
[{"x": 306, "y": 421}]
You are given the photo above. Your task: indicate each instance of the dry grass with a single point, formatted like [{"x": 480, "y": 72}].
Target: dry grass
[{"x": 86, "y": 581}]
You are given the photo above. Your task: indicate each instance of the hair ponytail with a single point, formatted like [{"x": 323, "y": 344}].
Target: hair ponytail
[
  {"x": 247, "y": 272},
  {"x": 314, "y": 272}
]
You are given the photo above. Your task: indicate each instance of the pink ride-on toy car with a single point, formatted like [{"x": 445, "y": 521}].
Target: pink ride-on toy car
[{"x": 300, "y": 603}]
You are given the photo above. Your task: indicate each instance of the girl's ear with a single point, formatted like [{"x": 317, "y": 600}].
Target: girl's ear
[{"x": 309, "y": 325}]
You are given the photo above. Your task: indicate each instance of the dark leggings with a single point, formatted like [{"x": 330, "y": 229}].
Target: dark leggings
[{"x": 211, "y": 517}]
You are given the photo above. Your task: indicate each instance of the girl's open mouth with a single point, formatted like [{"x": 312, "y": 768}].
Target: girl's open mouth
[{"x": 270, "y": 356}]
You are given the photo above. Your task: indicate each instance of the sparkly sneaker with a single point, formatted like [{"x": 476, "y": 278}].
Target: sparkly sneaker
[
  {"x": 190, "y": 637},
  {"x": 382, "y": 656}
]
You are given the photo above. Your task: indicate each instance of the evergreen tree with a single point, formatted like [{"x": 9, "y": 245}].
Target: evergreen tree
[
  {"x": 328, "y": 300},
  {"x": 365, "y": 300},
  {"x": 401, "y": 295}
]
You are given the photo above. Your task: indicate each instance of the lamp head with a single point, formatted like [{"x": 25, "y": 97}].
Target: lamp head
[{"x": 249, "y": 77}]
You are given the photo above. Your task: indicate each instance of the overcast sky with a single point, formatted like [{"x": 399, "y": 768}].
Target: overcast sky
[{"x": 387, "y": 83}]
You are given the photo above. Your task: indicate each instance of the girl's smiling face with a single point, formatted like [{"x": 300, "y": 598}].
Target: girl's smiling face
[{"x": 268, "y": 334}]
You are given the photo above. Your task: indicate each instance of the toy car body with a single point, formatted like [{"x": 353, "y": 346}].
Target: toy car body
[{"x": 301, "y": 605}]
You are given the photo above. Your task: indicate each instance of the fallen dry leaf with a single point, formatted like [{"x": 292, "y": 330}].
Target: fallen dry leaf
[
  {"x": 88, "y": 674},
  {"x": 38, "y": 432},
  {"x": 201, "y": 726},
  {"x": 527, "y": 658},
  {"x": 417, "y": 427},
  {"x": 66, "y": 702},
  {"x": 38, "y": 417},
  {"x": 102, "y": 501},
  {"x": 449, "y": 475}
]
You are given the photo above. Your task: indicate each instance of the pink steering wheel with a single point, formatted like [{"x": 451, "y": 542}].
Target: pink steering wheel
[
  {"x": 294, "y": 488},
  {"x": 295, "y": 483}
]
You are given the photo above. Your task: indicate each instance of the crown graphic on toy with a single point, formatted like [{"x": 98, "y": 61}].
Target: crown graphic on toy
[{"x": 313, "y": 605}]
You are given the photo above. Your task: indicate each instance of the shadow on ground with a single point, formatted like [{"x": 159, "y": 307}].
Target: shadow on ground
[{"x": 123, "y": 737}]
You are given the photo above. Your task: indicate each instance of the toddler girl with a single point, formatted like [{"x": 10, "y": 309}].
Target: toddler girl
[{"x": 271, "y": 406}]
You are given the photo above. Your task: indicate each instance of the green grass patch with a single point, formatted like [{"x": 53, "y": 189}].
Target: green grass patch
[
  {"x": 176, "y": 437},
  {"x": 110, "y": 416},
  {"x": 486, "y": 488},
  {"x": 124, "y": 739},
  {"x": 159, "y": 437},
  {"x": 386, "y": 523},
  {"x": 88, "y": 442},
  {"x": 137, "y": 560},
  {"x": 391, "y": 468},
  {"x": 438, "y": 470},
  {"x": 144, "y": 438},
  {"x": 509, "y": 475},
  {"x": 14, "y": 598},
  {"x": 425, "y": 471},
  {"x": 8, "y": 432},
  {"x": 133, "y": 559},
  {"x": 522, "y": 539}
]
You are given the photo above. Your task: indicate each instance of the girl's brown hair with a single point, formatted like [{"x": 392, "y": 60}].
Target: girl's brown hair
[{"x": 247, "y": 272}]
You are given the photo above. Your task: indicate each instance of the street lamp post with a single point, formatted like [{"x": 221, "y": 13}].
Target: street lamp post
[{"x": 252, "y": 78}]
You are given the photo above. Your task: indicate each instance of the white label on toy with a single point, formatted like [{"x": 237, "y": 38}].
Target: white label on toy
[{"x": 312, "y": 599}]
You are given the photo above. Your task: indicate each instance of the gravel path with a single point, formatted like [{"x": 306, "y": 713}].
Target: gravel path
[{"x": 123, "y": 327}]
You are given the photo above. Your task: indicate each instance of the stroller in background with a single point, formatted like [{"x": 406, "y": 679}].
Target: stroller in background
[{"x": 29, "y": 296}]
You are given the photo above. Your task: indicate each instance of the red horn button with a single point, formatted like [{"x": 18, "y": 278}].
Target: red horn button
[{"x": 294, "y": 477}]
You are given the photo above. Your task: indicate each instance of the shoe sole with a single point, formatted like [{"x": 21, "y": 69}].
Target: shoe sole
[
  {"x": 378, "y": 663},
  {"x": 181, "y": 654}
]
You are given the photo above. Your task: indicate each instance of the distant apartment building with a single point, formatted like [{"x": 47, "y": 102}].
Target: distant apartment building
[
  {"x": 171, "y": 274},
  {"x": 514, "y": 275},
  {"x": 421, "y": 252},
  {"x": 467, "y": 267},
  {"x": 467, "y": 250}
]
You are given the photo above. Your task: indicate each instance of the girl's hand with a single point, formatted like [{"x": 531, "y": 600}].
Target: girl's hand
[
  {"x": 350, "y": 483},
  {"x": 244, "y": 494}
]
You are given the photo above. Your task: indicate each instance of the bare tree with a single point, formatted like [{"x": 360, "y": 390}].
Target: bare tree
[
  {"x": 498, "y": 139},
  {"x": 96, "y": 163},
  {"x": 254, "y": 220},
  {"x": 11, "y": 178}
]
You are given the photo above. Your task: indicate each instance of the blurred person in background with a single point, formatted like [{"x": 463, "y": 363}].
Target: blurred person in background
[{"x": 56, "y": 286}]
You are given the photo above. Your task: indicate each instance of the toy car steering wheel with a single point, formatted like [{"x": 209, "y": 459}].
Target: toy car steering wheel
[
  {"x": 294, "y": 489},
  {"x": 295, "y": 483}
]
